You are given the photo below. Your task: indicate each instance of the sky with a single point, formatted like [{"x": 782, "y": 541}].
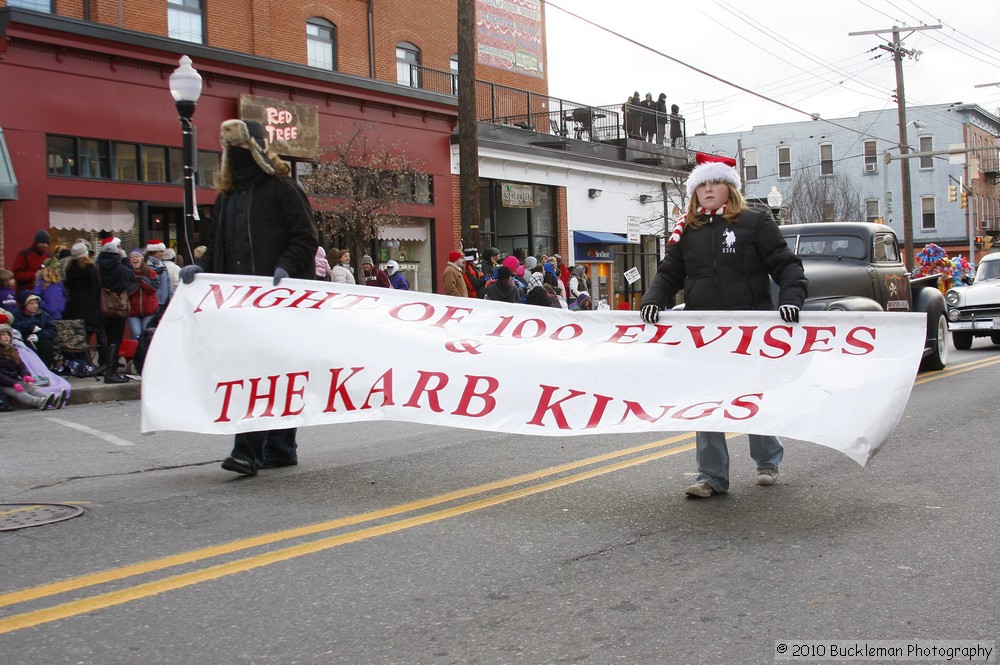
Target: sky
[{"x": 796, "y": 53}]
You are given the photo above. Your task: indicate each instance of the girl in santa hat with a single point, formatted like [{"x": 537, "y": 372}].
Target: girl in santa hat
[{"x": 724, "y": 255}]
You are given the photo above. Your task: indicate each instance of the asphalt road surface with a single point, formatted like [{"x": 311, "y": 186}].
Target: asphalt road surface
[{"x": 396, "y": 543}]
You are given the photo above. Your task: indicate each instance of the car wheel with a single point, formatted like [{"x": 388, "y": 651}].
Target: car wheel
[
  {"x": 962, "y": 340},
  {"x": 995, "y": 338},
  {"x": 938, "y": 357}
]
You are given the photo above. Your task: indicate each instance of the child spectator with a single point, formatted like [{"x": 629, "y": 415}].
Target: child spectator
[
  {"x": 142, "y": 302},
  {"x": 50, "y": 288},
  {"x": 15, "y": 380},
  {"x": 8, "y": 291},
  {"x": 36, "y": 327}
]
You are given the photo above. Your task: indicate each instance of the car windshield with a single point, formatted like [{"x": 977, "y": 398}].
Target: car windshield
[
  {"x": 833, "y": 246},
  {"x": 987, "y": 270}
]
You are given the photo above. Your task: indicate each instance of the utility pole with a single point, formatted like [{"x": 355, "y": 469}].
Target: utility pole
[
  {"x": 468, "y": 126},
  {"x": 897, "y": 50}
]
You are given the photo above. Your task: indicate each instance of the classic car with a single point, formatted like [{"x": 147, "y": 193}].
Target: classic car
[
  {"x": 856, "y": 266},
  {"x": 974, "y": 310}
]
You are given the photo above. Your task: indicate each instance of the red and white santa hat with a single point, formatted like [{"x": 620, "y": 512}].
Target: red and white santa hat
[
  {"x": 111, "y": 244},
  {"x": 156, "y": 246},
  {"x": 712, "y": 168}
]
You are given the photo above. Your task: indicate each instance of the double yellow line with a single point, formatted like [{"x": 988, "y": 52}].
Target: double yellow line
[
  {"x": 953, "y": 370},
  {"x": 602, "y": 464}
]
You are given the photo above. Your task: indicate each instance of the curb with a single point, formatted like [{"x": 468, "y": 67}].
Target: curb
[{"x": 91, "y": 391}]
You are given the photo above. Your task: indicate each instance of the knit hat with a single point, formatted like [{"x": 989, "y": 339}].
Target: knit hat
[
  {"x": 712, "y": 168},
  {"x": 156, "y": 246},
  {"x": 530, "y": 262},
  {"x": 391, "y": 267},
  {"x": 136, "y": 251},
  {"x": 111, "y": 245},
  {"x": 512, "y": 263},
  {"x": 169, "y": 254},
  {"x": 5, "y": 327},
  {"x": 367, "y": 260},
  {"x": 24, "y": 297},
  {"x": 78, "y": 251},
  {"x": 454, "y": 256},
  {"x": 42, "y": 236}
]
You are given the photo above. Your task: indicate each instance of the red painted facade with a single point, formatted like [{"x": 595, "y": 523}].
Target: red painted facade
[{"x": 60, "y": 80}]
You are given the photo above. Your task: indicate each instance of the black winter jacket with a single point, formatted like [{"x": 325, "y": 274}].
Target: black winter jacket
[
  {"x": 281, "y": 232},
  {"x": 728, "y": 266}
]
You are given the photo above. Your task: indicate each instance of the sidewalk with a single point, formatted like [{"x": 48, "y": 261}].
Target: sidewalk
[{"x": 90, "y": 390}]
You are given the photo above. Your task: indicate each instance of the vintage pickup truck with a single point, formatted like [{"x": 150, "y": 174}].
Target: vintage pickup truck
[{"x": 857, "y": 267}]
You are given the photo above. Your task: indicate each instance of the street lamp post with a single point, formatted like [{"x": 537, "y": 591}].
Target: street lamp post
[
  {"x": 774, "y": 203},
  {"x": 185, "y": 86}
]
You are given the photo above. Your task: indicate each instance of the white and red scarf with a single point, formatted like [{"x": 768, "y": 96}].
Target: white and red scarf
[{"x": 675, "y": 235}]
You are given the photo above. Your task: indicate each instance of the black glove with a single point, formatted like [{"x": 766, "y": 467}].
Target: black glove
[
  {"x": 789, "y": 313},
  {"x": 279, "y": 274},
  {"x": 188, "y": 273},
  {"x": 650, "y": 313}
]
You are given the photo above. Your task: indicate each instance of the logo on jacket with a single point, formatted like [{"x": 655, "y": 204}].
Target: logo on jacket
[{"x": 728, "y": 241}]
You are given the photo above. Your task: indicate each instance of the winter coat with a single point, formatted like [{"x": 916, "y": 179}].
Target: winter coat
[
  {"x": 342, "y": 275},
  {"x": 164, "y": 289},
  {"x": 8, "y": 299},
  {"x": 729, "y": 266},
  {"x": 27, "y": 263},
  {"x": 26, "y": 324},
  {"x": 509, "y": 292},
  {"x": 377, "y": 277},
  {"x": 454, "y": 282},
  {"x": 12, "y": 370},
  {"x": 82, "y": 293},
  {"x": 398, "y": 281},
  {"x": 578, "y": 283},
  {"x": 114, "y": 272},
  {"x": 475, "y": 280},
  {"x": 280, "y": 232},
  {"x": 142, "y": 301},
  {"x": 53, "y": 298}
]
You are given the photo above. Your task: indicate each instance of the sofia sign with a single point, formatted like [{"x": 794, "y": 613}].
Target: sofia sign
[{"x": 838, "y": 379}]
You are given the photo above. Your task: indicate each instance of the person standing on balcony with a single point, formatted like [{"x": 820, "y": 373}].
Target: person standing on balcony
[
  {"x": 676, "y": 135},
  {"x": 633, "y": 116},
  {"x": 661, "y": 117},
  {"x": 648, "y": 123}
]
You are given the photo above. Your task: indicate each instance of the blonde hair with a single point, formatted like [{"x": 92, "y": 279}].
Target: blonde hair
[{"x": 734, "y": 207}]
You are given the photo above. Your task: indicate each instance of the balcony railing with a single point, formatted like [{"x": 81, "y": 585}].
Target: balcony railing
[{"x": 504, "y": 105}]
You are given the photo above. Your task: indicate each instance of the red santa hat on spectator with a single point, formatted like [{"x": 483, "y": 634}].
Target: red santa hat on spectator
[
  {"x": 711, "y": 168},
  {"x": 111, "y": 244},
  {"x": 156, "y": 246}
]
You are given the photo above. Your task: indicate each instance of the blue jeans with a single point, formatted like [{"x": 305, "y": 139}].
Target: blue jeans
[
  {"x": 713, "y": 456},
  {"x": 276, "y": 445},
  {"x": 137, "y": 324}
]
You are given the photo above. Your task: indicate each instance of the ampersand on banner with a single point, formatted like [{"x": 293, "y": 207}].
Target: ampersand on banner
[{"x": 463, "y": 346}]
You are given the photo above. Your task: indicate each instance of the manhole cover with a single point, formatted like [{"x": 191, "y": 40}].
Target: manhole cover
[{"x": 14, "y": 516}]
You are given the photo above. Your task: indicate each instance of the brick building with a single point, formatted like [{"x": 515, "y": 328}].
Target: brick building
[{"x": 94, "y": 140}]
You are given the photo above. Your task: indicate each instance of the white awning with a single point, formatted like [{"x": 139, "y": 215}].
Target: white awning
[
  {"x": 90, "y": 215},
  {"x": 402, "y": 233}
]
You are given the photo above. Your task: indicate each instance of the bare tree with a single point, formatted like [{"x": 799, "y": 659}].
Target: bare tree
[
  {"x": 822, "y": 198},
  {"x": 357, "y": 186}
]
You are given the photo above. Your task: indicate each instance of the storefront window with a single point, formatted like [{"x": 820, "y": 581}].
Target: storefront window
[
  {"x": 208, "y": 168},
  {"x": 61, "y": 155},
  {"x": 524, "y": 218},
  {"x": 126, "y": 161},
  {"x": 645, "y": 257},
  {"x": 154, "y": 164},
  {"x": 95, "y": 159}
]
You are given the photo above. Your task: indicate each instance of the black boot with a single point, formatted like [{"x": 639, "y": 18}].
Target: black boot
[{"x": 110, "y": 376}]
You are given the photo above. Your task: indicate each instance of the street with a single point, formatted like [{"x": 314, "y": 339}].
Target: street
[{"x": 400, "y": 543}]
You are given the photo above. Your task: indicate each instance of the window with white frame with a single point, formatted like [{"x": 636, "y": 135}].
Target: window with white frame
[
  {"x": 407, "y": 64},
  {"x": 927, "y": 213},
  {"x": 871, "y": 156},
  {"x": 926, "y": 145},
  {"x": 750, "y": 164},
  {"x": 185, "y": 20},
  {"x": 871, "y": 210},
  {"x": 826, "y": 159},
  {"x": 829, "y": 209},
  {"x": 453, "y": 67},
  {"x": 784, "y": 162},
  {"x": 321, "y": 43}
]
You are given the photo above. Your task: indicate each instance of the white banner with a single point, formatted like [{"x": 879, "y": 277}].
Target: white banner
[{"x": 234, "y": 353}]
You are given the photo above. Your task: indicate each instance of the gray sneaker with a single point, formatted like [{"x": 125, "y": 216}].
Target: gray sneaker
[
  {"x": 767, "y": 476},
  {"x": 701, "y": 490}
]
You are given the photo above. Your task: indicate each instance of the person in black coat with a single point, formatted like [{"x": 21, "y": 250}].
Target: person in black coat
[
  {"x": 661, "y": 117},
  {"x": 648, "y": 122},
  {"x": 83, "y": 295},
  {"x": 724, "y": 255},
  {"x": 676, "y": 133},
  {"x": 262, "y": 224},
  {"x": 115, "y": 274}
]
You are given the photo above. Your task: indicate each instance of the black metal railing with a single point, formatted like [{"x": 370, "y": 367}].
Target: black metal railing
[{"x": 504, "y": 105}]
